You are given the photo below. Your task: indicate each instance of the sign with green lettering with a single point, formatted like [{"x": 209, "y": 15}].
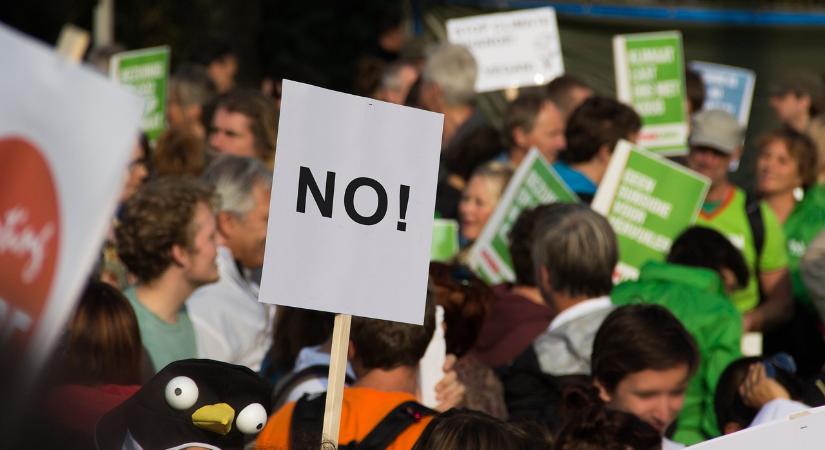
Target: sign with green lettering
[
  {"x": 146, "y": 72},
  {"x": 649, "y": 201},
  {"x": 534, "y": 183},
  {"x": 650, "y": 76}
]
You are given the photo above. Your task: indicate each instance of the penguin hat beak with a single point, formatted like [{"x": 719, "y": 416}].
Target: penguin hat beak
[{"x": 216, "y": 418}]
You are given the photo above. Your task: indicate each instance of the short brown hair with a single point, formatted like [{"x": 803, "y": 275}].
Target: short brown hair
[
  {"x": 103, "y": 342},
  {"x": 695, "y": 90},
  {"x": 560, "y": 92},
  {"x": 459, "y": 429},
  {"x": 801, "y": 148},
  {"x": 640, "y": 337},
  {"x": 386, "y": 345},
  {"x": 179, "y": 152},
  {"x": 158, "y": 216},
  {"x": 598, "y": 121},
  {"x": 521, "y": 113},
  {"x": 263, "y": 119}
]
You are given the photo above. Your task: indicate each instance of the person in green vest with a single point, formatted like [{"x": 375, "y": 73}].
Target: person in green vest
[
  {"x": 701, "y": 268},
  {"x": 786, "y": 173},
  {"x": 766, "y": 302}
]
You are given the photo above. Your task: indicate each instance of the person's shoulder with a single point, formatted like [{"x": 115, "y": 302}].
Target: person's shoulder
[
  {"x": 408, "y": 437},
  {"x": 275, "y": 434}
]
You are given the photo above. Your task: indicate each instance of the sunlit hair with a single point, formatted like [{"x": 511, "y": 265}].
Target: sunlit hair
[
  {"x": 578, "y": 249},
  {"x": 800, "y": 148},
  {"x": 453, "y": 68}
]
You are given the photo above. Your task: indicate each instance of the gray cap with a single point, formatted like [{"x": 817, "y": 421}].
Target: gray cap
[{"x": 716, "y": 129}]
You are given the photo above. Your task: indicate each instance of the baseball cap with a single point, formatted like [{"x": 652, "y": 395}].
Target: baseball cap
[{"x": 716, "y": 129}]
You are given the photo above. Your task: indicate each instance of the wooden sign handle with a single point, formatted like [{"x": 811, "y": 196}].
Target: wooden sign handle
[
  {"x": 72, "y": 43},
  {"x": 337, "y": 375}
]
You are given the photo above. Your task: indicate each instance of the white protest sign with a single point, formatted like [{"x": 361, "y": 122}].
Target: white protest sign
[
  {"x": 431, "y": 366},
  {"x": 352, "y": 205},
  {"x": 66, "y": 136},
  {"x": 512, "y": 49},
  {"x": 802, "y": 431}
]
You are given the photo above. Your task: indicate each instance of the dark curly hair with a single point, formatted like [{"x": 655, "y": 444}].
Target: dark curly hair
[
  {"x": 605, "y": 429},
  {"x": 158, "y": 216}
]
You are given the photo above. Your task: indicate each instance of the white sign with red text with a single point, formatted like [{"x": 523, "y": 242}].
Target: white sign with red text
[{"x": 66, "y": 135}]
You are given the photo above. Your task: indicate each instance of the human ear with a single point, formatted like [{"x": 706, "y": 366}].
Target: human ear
[{"x": 603, "y": 394}]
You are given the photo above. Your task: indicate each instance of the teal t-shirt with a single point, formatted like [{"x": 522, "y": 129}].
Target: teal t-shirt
[
  {"x": 804, "y": 224},
  {"x": 165, "y": 342},
  {"x": 731, "y": 220}
]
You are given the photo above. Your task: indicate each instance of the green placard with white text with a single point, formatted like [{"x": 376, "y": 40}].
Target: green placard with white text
[
  {"x": 650, "y": 76},
  {"x": 534, "y": 183},
  {"x": 146, "y": 72},
  {"x": 649, "y": 201}
]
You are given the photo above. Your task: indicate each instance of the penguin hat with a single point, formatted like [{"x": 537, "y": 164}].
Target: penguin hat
[{"x": 189, "y": 403}]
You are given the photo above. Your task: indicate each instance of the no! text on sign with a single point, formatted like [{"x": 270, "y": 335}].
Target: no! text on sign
[{"x": 351, "y": 213}]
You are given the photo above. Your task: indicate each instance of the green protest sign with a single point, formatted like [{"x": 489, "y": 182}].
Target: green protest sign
[
  {"x": 534, "y": 183},
  {"x": 146, "y": 72},
  {"x": 650, "y": 76},
  {"x": 648, "y": 200},
  {"x": 444, "y": 246}
]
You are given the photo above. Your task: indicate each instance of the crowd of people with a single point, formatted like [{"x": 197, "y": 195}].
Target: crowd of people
[{"x": 561, "y": 358}]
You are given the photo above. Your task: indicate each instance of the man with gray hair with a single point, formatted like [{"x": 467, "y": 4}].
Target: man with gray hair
[
  {"x": 230, "y": 324},
  {"x": 448, "y": 87},
  {"x": 574, "y": 252}
]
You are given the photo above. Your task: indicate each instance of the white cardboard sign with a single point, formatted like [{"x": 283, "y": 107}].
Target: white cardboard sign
[
  {"x": 512, "y": 49},
  {"x": 351, "y": 214},
  {"x": 66, "y": 136},
  {"x": 802, "y": 431}
]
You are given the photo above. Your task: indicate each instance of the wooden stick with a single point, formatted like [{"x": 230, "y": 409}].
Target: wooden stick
[
  {"x": 72, "y": 43},
  {"x": 337, "y": 375}
]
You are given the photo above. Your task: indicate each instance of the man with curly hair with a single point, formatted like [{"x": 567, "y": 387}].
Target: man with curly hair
[{"x": 167, "y": 240}]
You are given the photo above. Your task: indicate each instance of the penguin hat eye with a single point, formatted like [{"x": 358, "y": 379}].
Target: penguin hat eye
[
  {"x": 181, "y": 393},
  {"x": 251, "y": 419}
]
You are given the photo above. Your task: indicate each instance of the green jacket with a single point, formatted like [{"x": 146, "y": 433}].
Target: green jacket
[
  {"x": 696, "y": 297},
  {"x": 805, "y": 223}
]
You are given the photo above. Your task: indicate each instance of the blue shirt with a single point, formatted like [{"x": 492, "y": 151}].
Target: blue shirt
[{"x": 575, "y": 180}]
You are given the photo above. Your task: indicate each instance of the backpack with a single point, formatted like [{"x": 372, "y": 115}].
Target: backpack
[
  {"x": 308, "y": 416},
  {"x": 286, "y": 384},
  {"x": 757, "y": 224}
]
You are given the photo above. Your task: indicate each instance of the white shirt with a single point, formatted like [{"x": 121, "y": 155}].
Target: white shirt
[
  {"x": 578, "y": 310},
  {"x": 667, "y": 444},
  {"x": 230, "y": 324},
  {"x": 777, "y": 409},
  {"x": 308, "y": 357}
]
